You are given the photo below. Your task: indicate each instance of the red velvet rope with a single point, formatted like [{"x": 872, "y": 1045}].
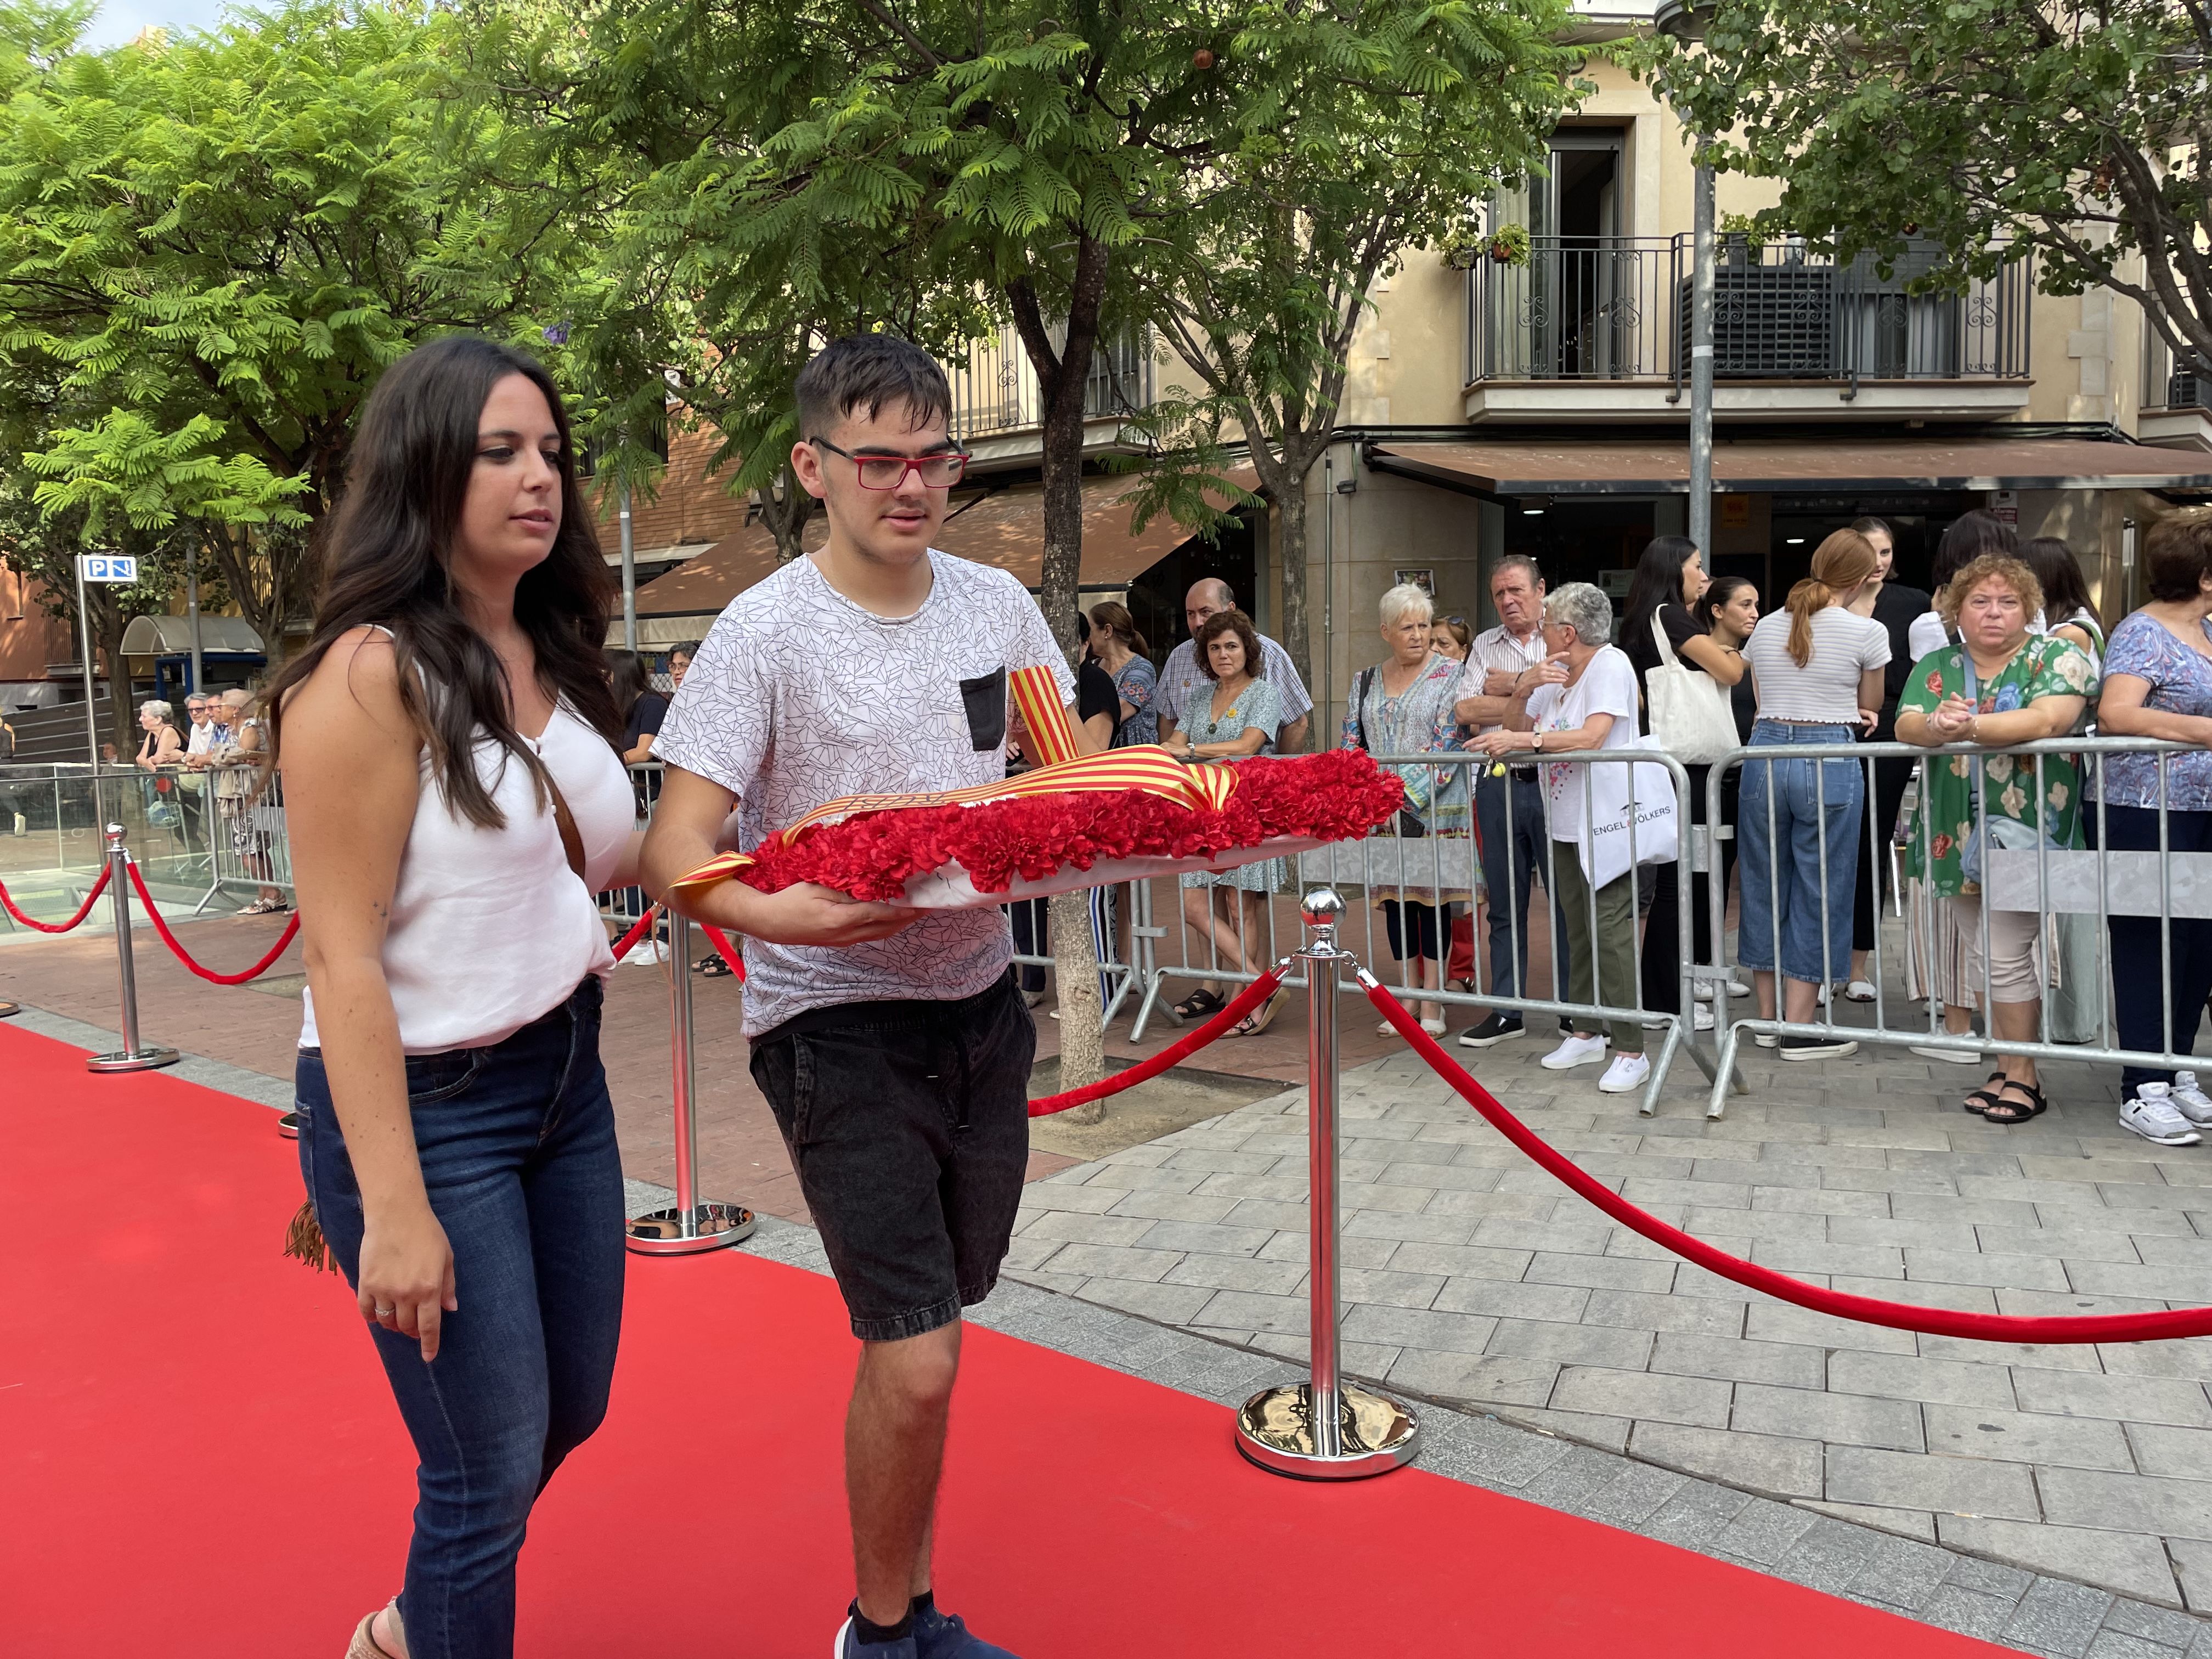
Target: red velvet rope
[
  {"x": 714, "y": 936},
  {"x": 83, "y": 910},
  {"x": 1866, "y": 1309},
  {"x": 1253, "y": 994},
  {"x": 291, "y": 929},
  {"x": 628, "y": 942}
]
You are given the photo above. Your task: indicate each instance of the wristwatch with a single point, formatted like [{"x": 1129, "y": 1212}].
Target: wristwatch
[{"x": 1538, "y": 743}]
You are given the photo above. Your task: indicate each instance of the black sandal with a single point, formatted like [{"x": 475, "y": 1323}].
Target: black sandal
[
  {"x": 714, "y": 967},
  {"x": 2018, "y": 1111},
  {"x": 1200, "y": 1004},
  {"x": 1988, "y": 1096}
]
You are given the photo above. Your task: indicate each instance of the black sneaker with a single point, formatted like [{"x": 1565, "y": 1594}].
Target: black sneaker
[
  {"x": 1491, "y": 1032},
  {"x": 288, "y": 1125},
  {"x": 1819, "y": 1047}
]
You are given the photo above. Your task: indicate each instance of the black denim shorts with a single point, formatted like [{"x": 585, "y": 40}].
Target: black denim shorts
[{"x": 909, "y": 1127}]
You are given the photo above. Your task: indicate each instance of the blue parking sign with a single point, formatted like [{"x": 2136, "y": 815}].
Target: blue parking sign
[{"x": 107, "y": 568}]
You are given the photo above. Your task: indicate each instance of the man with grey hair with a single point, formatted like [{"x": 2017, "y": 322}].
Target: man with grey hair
[
  {"x": 1509, "y": 810},
  {"x": 1209, "y": 597}
]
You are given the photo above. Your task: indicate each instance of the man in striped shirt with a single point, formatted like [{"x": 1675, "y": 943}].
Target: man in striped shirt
[{"x": 1508, "y": 808}]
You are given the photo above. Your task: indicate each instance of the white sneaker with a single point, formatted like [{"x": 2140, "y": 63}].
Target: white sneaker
[
  {"x": 1860, "y": 990},
  {"x": 1767, "y": 1039},
  {"x": 1702, "y": 1020},
  {"x": 1625, "y": 1074},
  {"x": 2190, "y": 1100},
  {"x": 2152, "y": 1114},
  {"x": 648, "y": 951},
  {"x": 1955, "y": 1056},
  {"x": 1573, "y": 1052},
  {"x": 1738, "y": 988}
]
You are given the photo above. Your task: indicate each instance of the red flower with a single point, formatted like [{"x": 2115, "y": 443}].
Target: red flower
[
  {"x": 1942, "y": 846},
  {"x": 1935, "y": 682},
  {"x": 1336, "y": 795}
]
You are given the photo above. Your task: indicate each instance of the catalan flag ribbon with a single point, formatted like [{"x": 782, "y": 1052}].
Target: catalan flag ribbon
[{"x": 1061, "y": 768}]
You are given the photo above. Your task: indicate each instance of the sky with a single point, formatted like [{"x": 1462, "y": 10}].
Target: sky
[{"x": 118, "y": 21}]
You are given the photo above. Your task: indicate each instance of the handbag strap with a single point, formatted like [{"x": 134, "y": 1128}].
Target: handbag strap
[
  {"x": 1659, "y": 638},
  {"x": 572, "y": 839}
]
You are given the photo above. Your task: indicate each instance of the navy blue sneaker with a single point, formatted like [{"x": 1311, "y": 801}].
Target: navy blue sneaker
[
  {"x": 946, "y": 1636},
  {"x": 849, "y": 1646}
]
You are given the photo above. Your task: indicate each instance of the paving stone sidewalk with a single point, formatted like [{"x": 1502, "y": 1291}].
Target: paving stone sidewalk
[{"x": 1472, "y": 1277}]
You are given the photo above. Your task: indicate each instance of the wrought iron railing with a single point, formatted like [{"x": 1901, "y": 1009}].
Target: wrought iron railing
[
  {"x": 1617, "y": 308},
  {"x": 995, "y": 389}
]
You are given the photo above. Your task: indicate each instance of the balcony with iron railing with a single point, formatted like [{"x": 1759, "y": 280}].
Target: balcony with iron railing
[
  {"x": 1598, "y": 328},
  {"x": 998, "y": 407},
  {"x": 2176, "y": 405}
]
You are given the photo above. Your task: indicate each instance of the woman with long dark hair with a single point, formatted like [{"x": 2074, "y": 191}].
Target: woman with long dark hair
[
  {"x": 1662, "y": 595},
  {"x": 455, "y": 800},
  {"x": 2067, "y": 609}
]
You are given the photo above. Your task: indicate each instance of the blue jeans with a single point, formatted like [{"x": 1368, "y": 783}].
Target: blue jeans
[
  {"x": 1815, "y": 805},
  {"x": 517, "y": 1144}
]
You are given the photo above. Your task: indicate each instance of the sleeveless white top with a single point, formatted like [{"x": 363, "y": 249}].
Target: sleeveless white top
[{"x": 490, "y": 928}]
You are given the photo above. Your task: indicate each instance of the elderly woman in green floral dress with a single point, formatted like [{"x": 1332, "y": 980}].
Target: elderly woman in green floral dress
[{"x": 2002, "y": 685}]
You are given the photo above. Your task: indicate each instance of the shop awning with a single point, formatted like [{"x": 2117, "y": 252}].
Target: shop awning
[
  {"x": 162, "y": 636},
  {"x": 1572, "y": 468},
  {"x": 1003, "y": 527}
]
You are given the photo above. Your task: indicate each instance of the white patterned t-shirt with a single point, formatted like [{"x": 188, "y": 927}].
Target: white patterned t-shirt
[{"x": 799, "y": 696}]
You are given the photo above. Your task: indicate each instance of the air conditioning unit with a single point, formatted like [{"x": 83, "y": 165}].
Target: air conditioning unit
[{"x": 2185, "y": 389}]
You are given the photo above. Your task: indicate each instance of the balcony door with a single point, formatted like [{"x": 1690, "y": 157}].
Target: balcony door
[{"x": 1571, "y": 314}]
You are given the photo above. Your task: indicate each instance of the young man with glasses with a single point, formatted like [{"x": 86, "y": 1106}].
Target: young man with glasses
[{"x": 892, "y": 1046}]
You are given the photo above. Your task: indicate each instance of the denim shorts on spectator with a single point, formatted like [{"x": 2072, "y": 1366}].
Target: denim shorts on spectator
[{"x": 908, "y": 1127}]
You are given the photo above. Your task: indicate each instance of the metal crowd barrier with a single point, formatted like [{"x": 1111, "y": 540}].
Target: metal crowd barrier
[
  {"x": 63, "y": 809},
  {"x": 2053, "y": 884},
  {"x": 1441, "y": 871}
]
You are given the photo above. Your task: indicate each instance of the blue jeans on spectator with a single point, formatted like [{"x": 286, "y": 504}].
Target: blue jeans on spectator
[
  {"x": 517, "y": 1144},
  {"x": 1514, "y": 830},
  {"x": 1816, "y": 804}
]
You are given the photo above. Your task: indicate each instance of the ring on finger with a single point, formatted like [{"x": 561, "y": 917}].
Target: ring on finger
[{"x": 383, "y": 1312}]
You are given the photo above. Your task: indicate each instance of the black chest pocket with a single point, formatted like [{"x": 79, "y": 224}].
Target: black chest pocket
[{"x": 985, "y": 699}]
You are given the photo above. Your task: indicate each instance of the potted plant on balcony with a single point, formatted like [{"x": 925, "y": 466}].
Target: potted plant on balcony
[
  {"x": 1737, "y": 231},
  {"x": 1509, "y": 245}
]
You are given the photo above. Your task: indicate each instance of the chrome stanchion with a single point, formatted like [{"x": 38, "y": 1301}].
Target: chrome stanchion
[
  {"x": 132, "y": 1057},
  {"x": 691, "y": 1226},
  {"x": 1324, "y": 1428}
]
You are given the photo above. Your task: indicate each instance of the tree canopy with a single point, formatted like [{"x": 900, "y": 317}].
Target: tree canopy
[{"x": 1989, "y": 127}]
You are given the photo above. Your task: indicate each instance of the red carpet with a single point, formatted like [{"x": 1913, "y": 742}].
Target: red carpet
[{"x": 198, "y": 1457}]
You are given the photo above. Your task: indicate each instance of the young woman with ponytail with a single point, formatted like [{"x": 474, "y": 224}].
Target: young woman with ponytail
[{"x": 1811, "y": 661}]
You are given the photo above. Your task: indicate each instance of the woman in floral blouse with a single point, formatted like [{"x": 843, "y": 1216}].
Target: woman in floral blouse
[
  {"x": 2001, "y": 686},
  {"x": 1403, "y": 706}
]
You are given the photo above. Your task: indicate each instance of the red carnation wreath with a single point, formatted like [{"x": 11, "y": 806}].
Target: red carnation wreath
[
  {"x": 1074, "y": 820},
  {"x": 941, "y": 856}
]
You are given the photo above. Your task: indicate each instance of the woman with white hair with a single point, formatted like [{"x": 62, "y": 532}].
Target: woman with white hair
[
  {"x": 1583, "y": 696},
  {"x": 162, "y": 747},
  {"x": 1403, "y": 706}
]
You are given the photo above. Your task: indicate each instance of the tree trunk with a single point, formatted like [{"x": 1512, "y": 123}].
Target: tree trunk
[
  {"x": 787, "y": 518},
  {"x": 1298, "y": 623},
  {"x": 1062, "y": 375}
]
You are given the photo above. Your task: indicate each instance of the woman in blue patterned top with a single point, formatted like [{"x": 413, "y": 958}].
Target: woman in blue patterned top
[
  {"x": 2157, "y": 683},
  {"x": 1234, "y": 719},
  {"x": 1403, "y": 706}
]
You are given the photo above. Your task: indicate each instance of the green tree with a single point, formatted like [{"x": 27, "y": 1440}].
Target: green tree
[
  {"x": 210, "y": 250},
  {"x": 1368, "y": 133},
  {"x": 1988, "y": 127}
]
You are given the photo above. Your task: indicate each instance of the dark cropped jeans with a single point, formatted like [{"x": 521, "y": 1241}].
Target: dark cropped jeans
[{"x": 517, "y": 1143}]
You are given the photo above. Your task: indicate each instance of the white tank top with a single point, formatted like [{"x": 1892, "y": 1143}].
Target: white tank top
[{"x": 490, "y": 929}]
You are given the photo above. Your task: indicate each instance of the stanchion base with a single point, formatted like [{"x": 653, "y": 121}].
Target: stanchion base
[
  {"x": 675, "y": 1232},
  {"x": 137, "y": 1059},
  {"x": 8, "y": 1008},
  {"x": 1275, "y": 1430}
]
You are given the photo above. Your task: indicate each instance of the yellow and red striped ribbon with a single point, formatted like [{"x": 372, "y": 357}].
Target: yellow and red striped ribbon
[{"x": 1062, "y": 770}]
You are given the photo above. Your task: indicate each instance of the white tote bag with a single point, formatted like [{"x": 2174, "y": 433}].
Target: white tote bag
[
  {"x": 1691, "y": 717},
  {"x": 1622, "y": 793}
]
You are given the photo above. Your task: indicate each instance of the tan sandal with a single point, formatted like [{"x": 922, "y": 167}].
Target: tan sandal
[{"x": 365, "y": 1645}]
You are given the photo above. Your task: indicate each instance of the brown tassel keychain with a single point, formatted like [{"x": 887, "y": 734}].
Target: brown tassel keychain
[{"x": 304, "y": 1239}]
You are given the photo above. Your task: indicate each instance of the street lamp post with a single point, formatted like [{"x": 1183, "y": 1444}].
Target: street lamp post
[{"x": 1686, "y": 20}]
